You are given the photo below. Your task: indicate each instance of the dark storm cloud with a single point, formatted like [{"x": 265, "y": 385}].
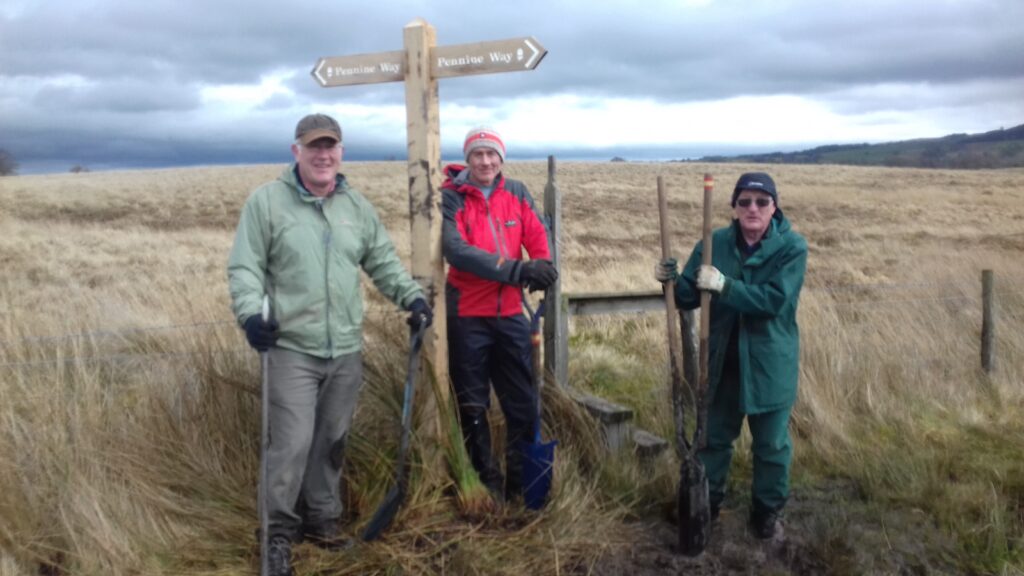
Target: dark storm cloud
[
  {"x": 111, "y": 65},
  {"x": 120, "y": 95}
]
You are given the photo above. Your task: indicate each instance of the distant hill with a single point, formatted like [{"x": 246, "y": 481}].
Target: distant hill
[{"x": 996, "y": 149}]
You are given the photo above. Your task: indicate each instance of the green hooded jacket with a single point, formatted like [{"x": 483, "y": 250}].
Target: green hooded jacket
[
  {"x": 760, "y": 297},
  {"x": 306, "y": 252}
]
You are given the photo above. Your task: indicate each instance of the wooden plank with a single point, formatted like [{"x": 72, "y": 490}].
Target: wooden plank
[
  {"x": 647, "y": 445},
  {"x": 605, "y": 411},
  {"x": 612, "y": 303},
  {"x": 423, "y": 126},
  {"x": 360, "y": 69},
  {"x": 556, "y": 317},
  {"x": 614, "y": 419},
  {"x": 511, "y": 55}
]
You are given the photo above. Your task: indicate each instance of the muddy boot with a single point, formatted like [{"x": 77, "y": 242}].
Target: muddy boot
[
  {"x": 279, "y": 556},
  {"x": 766, "y": 525},
  {"x": 715, "y": 504}
]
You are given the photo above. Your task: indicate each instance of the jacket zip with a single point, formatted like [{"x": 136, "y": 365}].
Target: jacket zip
[
  {"x": 497, "y": 242},
  {"x": 327, "y": 276}
]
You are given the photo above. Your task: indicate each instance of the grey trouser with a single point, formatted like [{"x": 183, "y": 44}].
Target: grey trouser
[{"x": 311, "y": 404}]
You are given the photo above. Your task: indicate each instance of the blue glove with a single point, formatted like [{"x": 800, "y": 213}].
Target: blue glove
[
  {"x": 261, "y": 335},
  {"x": 420, "y": 312}
]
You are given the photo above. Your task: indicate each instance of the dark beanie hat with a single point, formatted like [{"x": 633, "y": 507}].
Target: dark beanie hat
[{"x": 755, "y": 181}]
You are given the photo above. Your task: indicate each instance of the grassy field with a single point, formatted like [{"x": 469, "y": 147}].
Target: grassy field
[{"x": 129, "y": 400}]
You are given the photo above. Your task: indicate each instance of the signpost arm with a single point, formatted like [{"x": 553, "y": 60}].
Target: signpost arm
[{"x": 424, "y": 142}]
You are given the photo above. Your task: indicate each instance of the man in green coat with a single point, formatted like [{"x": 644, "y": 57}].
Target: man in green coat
[
  {"x": 758, "y": 265},
  {"x": 302, "y": 240}
]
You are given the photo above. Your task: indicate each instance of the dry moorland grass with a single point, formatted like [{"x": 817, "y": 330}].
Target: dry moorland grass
[{"x": 130, "y": 448}]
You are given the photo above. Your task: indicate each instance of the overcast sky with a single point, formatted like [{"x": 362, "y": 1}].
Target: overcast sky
[{"x": 119, "y": 83}]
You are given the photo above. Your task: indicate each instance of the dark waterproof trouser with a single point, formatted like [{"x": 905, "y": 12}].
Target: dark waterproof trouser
[
  {"x": 494, "y": 350},
  {"x": 771, "y": 447}
]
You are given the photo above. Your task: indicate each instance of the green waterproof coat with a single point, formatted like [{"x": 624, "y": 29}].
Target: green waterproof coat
[
  {"x": 306, "y": 253},
  {"x": 760, "y": 297}
]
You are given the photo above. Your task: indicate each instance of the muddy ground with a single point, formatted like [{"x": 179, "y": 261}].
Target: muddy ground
[{"x": 825, "y": 531}]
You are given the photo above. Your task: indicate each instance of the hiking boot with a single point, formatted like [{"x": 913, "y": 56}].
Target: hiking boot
[
  {"x": 279, "y": 556},
  {"x": 766, "y": 525}
]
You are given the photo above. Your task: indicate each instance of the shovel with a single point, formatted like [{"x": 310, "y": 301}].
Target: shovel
[
  {"x": 538, "y": 457},
  {"x": 693, "y": 500},
  {"x": 389, "y": 508}
]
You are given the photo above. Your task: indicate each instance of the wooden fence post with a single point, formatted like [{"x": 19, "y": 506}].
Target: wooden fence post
[
  {"x": 988, "y": 329},
  {"x": 556, "y": 317}
]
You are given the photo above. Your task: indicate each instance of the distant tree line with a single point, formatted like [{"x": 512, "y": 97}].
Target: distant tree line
[{"x": 1003, "y": 148}]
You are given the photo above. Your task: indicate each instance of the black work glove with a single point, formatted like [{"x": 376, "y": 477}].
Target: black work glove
[
  {"x": 261, "y": 335},
  {"x": 666, "y": 270},
  {"x": 538, "y": 274},
  {"x": 419, "y": 312}
]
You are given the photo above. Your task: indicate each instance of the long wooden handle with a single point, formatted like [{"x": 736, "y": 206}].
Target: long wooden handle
[
  {"x": 705, "y": 319},
  {"x": 674, "y": 346},
  {"x": 263, "y": 490}
]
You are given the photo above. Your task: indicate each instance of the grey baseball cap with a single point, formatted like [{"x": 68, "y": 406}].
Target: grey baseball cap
[{"x": 316, "y": 126}]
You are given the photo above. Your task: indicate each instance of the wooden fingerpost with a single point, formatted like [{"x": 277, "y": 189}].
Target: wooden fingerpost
[
  {"x": 556, "y": 317},
  {"x": 424, "y": 165},
  {"x": 420, "y": 64},
  {"x": 988, "y": 329}
]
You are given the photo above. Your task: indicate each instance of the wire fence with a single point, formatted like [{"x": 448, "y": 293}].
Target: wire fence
[
  {"x": 130, "y": 357},
  {"x": 380, "y": 313}
]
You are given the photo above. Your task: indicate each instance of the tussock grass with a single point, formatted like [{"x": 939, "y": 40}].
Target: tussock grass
[{"x": 129, "y": 402}]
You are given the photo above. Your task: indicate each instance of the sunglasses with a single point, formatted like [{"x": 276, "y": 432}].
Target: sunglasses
[{"x": 761, "y": 202}]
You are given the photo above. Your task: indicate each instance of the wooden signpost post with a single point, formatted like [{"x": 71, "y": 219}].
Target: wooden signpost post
[{"x": 420, "y": 64}]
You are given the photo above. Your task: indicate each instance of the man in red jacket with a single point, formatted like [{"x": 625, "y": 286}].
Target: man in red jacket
[{"x": 488, "y": 221}]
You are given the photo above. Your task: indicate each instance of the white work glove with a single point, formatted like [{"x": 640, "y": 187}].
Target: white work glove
[
  {"x": 666, "y": 271},
  {"x": 710, "y": 279}
]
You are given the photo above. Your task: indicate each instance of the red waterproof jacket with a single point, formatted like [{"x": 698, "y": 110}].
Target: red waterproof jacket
[{"x": 483, "y": 239}]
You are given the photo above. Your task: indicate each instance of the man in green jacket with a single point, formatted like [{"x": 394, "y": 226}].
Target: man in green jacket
[
  {"x": 758, "y": 265},
  {"x": 302, "y": 240}
]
